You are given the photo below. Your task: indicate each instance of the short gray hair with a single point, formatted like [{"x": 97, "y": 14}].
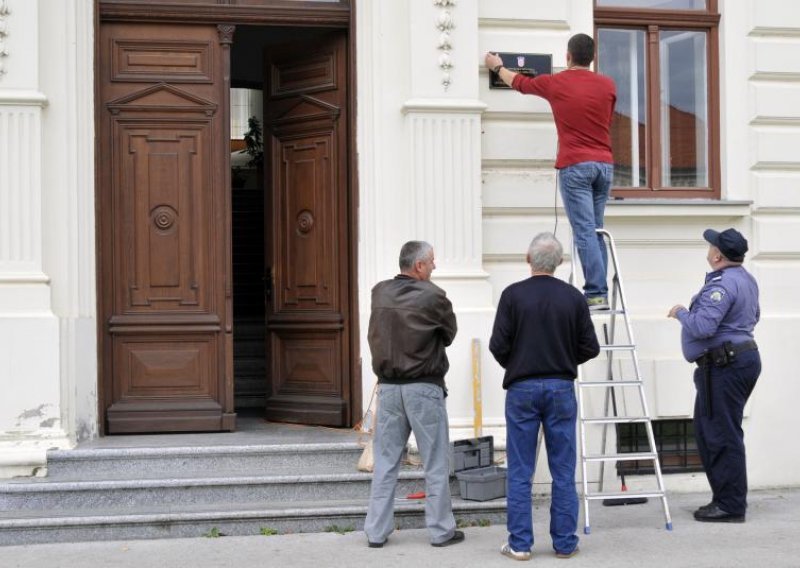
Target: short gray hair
[
  {"x": 413, "y": 252},
  {"x": 545, "y": 253}
]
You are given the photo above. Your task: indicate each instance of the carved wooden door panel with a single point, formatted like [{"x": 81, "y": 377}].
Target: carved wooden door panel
[
  {"x": 305, "y": 112},
  {"x": 164, "y": 245}
]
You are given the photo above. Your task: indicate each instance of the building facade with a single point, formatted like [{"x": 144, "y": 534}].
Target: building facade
[{"x": 119, "y": 252}]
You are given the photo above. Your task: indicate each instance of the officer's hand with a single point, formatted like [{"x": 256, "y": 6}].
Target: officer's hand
[{"x": 673, "y": 313}]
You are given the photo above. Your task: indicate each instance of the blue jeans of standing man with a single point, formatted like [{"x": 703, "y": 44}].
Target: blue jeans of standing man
[
  {"x": 551, "y": 403},
  {"x": 584, "y": 192}
]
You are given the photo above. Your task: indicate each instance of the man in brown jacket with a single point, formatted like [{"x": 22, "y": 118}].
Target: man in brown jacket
[{"x": 412, "y": 322}]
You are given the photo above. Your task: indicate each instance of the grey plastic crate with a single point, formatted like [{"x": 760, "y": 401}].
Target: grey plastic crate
[
  {"x": 483, "y": 484},
  {"x": 471, "y": 453}
]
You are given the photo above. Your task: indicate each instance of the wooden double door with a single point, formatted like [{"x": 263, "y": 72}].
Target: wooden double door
[{"x": 164, "y": 229}]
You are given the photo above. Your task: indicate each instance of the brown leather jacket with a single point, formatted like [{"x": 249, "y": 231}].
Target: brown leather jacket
[{"x": 412, "y": 321}]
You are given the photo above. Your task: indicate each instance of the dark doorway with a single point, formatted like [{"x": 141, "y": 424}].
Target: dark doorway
[{"x": 290, "y": 211}]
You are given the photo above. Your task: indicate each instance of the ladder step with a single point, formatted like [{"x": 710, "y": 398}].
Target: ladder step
[
  {"x": 624, "y": 495},
  {"x": 617, "y": 420},
  {"x": 618, "y": 311},
  {"x": 608, "y": 383},
  {"x": 622, "y": 457},
  {"x": 620, "y": 347}
]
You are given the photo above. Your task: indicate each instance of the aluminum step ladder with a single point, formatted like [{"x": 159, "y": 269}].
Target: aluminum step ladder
[{"x": 611, "y": 346}]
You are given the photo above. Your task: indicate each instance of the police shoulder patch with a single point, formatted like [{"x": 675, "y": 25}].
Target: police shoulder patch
[{"x": 716, "y": 295}]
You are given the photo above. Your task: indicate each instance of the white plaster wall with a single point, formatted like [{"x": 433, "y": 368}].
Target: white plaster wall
[
  {"x": 419, "y": 168},
  {"x": 31, "y": 417},
  {"x": 67, "y": 62},
  {"x": 771, "y": 37},
  {"x": 660, "y": 245}
]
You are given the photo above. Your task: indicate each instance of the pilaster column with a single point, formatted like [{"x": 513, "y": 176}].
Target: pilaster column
[
  {"x": 443, "y": 127},
  {"x": 30, "y": 409}
]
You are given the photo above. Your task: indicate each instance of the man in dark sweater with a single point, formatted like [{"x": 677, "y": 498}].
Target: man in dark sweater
[
  {"x": 542, "y": 332},
  {"x": 412, "y": 322},
  {"x": 583, "y": 106}
]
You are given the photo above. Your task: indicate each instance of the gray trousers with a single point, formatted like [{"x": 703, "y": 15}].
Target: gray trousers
[{"x": 417, "y": 407}]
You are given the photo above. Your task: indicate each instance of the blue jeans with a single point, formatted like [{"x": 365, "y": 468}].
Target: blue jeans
[
  {"x": 584, "y": 192},
  {"x": 551, "y": 403}
]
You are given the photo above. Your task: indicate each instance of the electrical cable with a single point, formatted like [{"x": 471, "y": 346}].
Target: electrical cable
[
  {"x": 555, "y": 207},
  {"x": 555, "y": 196}
]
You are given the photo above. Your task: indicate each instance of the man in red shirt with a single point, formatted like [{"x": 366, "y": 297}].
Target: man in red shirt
[{"x": 583, "y": 105}]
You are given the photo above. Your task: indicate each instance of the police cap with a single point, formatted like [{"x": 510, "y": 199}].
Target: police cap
[{"x": 730, "y": 243}]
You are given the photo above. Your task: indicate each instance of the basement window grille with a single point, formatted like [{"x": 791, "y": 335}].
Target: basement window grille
[{"x": 675, "y": 443}]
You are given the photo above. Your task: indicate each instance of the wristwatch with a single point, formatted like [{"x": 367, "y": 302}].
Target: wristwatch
[{"x": 496, "y": 68}]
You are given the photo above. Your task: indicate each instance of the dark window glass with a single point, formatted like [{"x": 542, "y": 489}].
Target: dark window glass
[{"x": 675, "y": 443}]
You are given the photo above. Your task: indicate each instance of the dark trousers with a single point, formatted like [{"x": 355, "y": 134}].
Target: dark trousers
[{"x": 720, "y": 439}]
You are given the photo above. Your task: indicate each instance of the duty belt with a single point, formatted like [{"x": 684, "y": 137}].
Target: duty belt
[
  {"x": 720, "y": 357},
  {"x": 725, "y": 353}
]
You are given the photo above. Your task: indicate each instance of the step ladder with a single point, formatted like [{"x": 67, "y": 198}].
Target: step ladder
[{"x": 611, "y": 346}]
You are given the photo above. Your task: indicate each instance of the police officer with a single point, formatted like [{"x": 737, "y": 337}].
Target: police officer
[{"x": 717, "y": 335}]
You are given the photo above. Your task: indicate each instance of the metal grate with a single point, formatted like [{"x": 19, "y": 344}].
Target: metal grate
[{"x": 675, "y": 443}]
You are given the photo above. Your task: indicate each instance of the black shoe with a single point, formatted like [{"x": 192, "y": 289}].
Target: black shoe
[
  {"x": 713, "y": 514},
  {"x": 457, "y": 537},
  {"x": 706, "y": 507},
  {"x": 376, "y": 544}
]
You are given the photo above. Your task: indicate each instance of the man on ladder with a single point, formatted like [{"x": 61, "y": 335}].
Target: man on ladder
[{"x": 583, "y": 106}]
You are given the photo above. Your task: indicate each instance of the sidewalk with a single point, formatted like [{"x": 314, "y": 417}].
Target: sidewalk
[{"x": 621, "y": 536}]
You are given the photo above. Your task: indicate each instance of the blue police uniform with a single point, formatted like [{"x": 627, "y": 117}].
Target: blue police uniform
[{"x": 717, "y": 334}]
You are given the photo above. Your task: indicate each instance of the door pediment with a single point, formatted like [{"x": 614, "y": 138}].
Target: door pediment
[
  {"x": 306, "y": 109},
  {"x": 162, "y": 97}
]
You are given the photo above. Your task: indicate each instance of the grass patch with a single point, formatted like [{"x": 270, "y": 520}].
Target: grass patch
[
  {"x": 267, "y": 531},
  {"x": 340, "y": 529},
  {"x": 213, "y": 533}
]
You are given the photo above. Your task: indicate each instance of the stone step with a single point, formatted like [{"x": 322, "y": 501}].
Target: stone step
[
  {"x": 30, "y": 527},
  {"x": 47, "y": 494},
  {"x": 149, "y": 462}
]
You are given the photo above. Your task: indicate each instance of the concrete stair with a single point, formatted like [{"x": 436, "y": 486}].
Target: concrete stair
[{"x": 195, "y": 490}]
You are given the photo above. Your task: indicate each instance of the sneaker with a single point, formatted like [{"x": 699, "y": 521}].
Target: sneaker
[
  {"x": 597, "y": 303},
  {"x": 457, "y": 537},
  {"x": 567, "y": 554},
  {"x": 506, "y": 550}
]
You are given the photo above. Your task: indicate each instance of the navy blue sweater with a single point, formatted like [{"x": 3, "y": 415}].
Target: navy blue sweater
[{"x": 542, "y": 329}]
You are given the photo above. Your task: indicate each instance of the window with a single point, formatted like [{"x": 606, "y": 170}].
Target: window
[
  {"x": 663, "y": 56},
  {"x": 675, "y": 443}
]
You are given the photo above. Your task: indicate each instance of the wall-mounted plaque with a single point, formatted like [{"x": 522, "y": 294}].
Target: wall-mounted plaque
[{"x": 530, "y": 64}]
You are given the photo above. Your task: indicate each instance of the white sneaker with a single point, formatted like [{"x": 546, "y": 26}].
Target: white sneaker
[{"x": 506, "y": 550}]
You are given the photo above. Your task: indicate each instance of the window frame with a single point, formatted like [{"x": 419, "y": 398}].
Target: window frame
[{"x": 651, "y": 22}]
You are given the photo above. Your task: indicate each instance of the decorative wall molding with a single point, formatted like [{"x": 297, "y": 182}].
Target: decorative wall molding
[
  {"x": 23, "y": 98},
  {"x": 445, "y": 195},
  {"x": 445, "y": 24},
  {"x": 4, "y": 13},
  {"x": 21, "y": 207},
  {"x": 469, "y": 106}
]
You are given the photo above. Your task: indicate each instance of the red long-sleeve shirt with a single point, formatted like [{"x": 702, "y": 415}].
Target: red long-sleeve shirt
[{"x": 583, "y": 105}]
